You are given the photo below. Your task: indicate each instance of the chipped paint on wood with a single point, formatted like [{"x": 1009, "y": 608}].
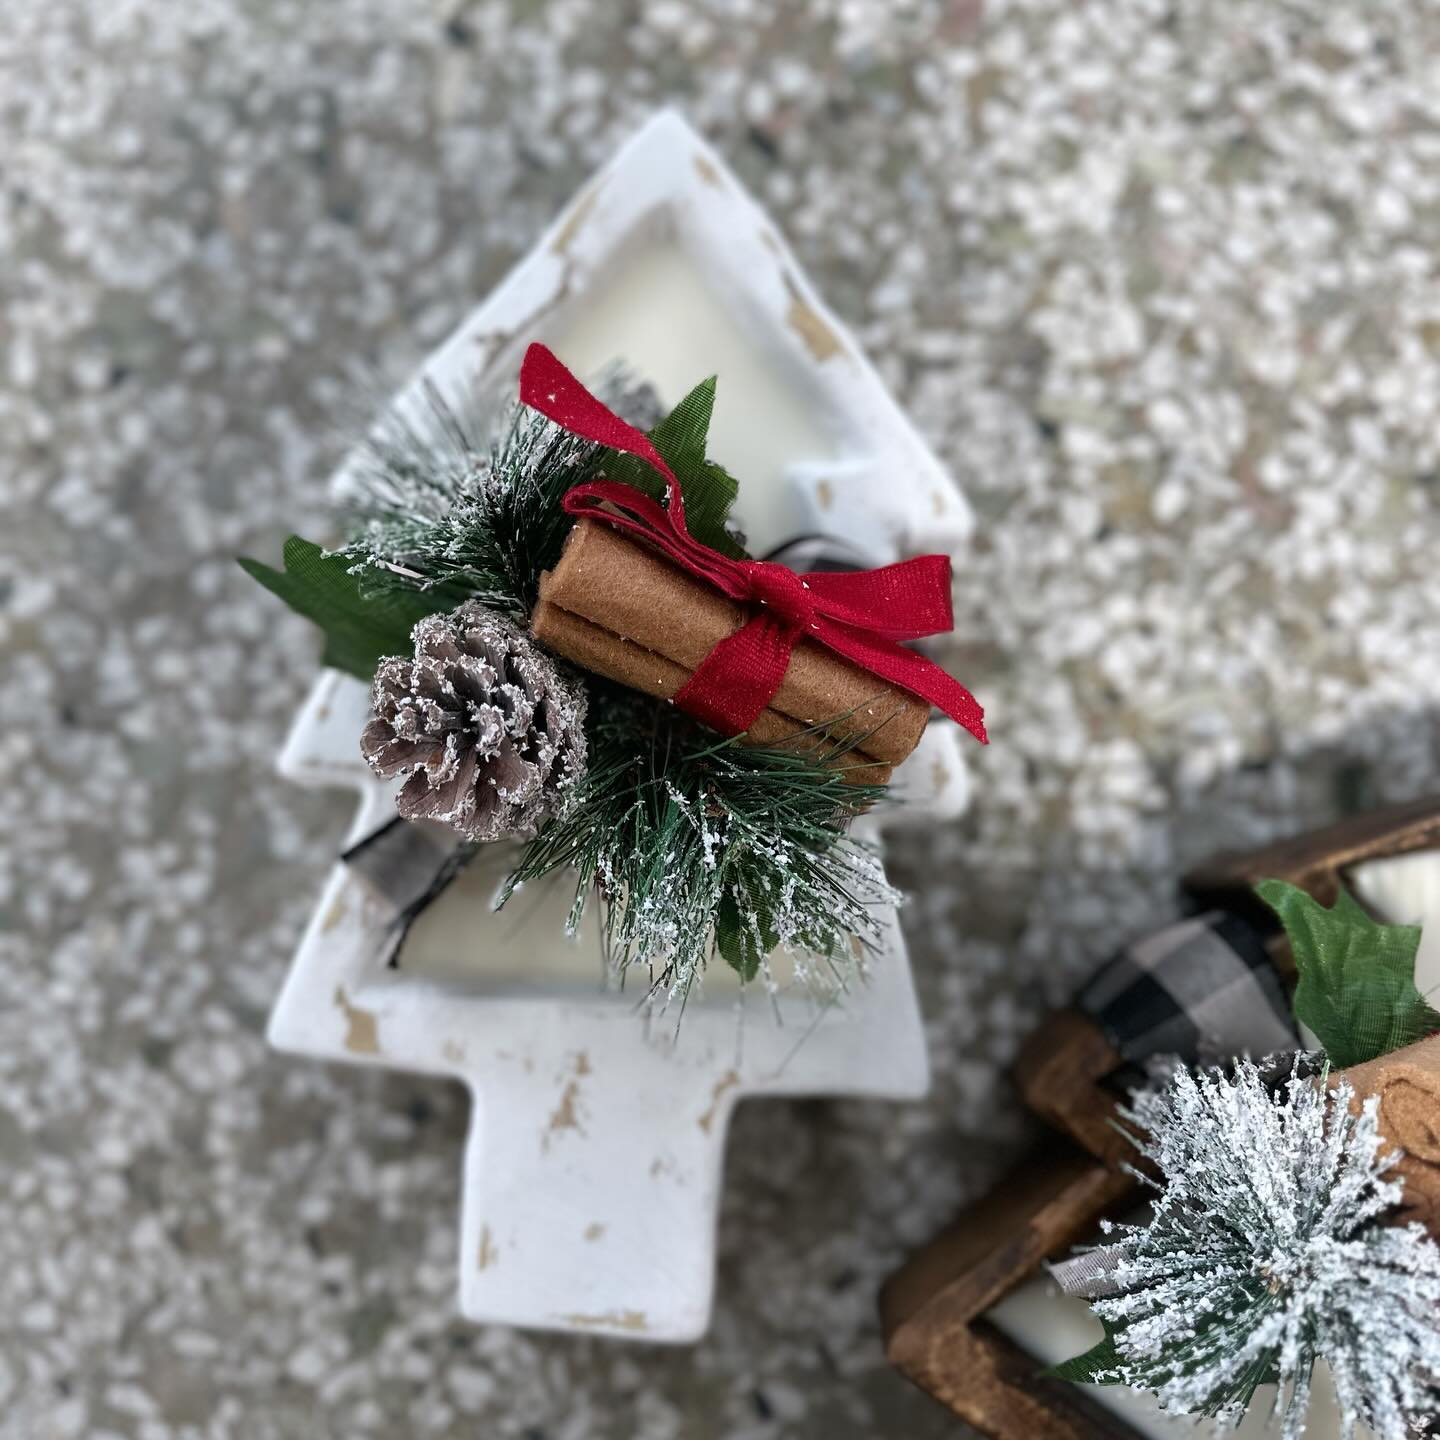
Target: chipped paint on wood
[
  {"x": 566, "y": 1115},
  {"x": 336, "y": 913},
  {"x": 635, "y": 1320},
  {"x": 708, "y": 173},
  {"x": 565, "y": 236},
  {"x": 728, "y": 1081},
  {"x": 488, "y": 1254},
  {"x": 362, "y": 1029},
  {"x": 806, "y": 321}
]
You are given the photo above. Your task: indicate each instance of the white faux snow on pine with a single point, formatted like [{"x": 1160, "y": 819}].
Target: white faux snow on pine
[{"x": 593, "y": 1169}]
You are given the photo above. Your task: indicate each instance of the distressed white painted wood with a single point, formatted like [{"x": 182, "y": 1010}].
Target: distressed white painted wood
[{"x": 593, "y": 1169}]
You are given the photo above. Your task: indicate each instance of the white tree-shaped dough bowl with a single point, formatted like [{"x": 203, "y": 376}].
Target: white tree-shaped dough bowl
[{"x": 593, "y": 1168}]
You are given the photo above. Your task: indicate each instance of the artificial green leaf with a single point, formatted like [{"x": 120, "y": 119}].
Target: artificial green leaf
[
  {"x": 1356, "y": 990},
  {"x": 681, "y": 437},
  {"x": 361, "y": 627},
  {"x": 708, "y": 489},
  {"x": 735, "y": 938},
  {"x": 1101, "y": 1359},
  {"x": 715, "y": 489}
]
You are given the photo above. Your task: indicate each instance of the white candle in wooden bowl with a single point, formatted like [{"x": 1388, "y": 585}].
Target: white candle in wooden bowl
[
  {"x": 657, "y": 314},
  {"x": 1405, "y": 890}
]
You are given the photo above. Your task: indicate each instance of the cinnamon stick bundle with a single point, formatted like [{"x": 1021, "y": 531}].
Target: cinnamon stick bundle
[
  {"x": 614, "y": 606},
  {"x": 1408, "y": 1084}
]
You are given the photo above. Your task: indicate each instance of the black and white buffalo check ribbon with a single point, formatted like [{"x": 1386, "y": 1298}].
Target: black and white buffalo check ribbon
[
  {"x": 1203, "y": 989},
  {"x": 1092, "y": 1274}
]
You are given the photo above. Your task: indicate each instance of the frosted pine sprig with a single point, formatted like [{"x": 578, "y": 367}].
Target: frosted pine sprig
[
  {"x": 1264, "y": 1254},
  {"x": 456, "y": 497},
  {"x": 697, "y": 843}
]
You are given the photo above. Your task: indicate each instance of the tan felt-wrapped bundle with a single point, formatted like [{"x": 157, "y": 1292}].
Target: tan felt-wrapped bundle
[
  {"x": 1408, "y": 1084},
  {"x": 614, "y": 606}
]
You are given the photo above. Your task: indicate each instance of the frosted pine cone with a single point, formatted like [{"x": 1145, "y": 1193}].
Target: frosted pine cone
[{"x": 489, "y": 731}]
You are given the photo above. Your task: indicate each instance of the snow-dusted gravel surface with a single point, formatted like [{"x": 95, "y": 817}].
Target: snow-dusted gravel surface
[{"x": 1157, "y": 279}]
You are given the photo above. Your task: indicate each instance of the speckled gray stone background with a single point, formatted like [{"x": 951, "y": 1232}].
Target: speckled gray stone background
[{"x": 1158, "y": 279}]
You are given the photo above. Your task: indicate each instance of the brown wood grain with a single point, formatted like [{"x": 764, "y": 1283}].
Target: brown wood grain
[
  {"x": 1059, "y": 1075},
  {"x": 931, "y": 1308},
  {"x": 994, "y": 1385}
]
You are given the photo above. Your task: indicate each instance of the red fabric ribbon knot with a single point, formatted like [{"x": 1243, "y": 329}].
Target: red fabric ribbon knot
[
  {"x": 786, "y": 595},
  {"x": 859, "y": 614}
]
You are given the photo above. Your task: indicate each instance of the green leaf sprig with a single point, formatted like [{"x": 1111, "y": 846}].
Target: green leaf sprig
[
  {"x": 361, "y": 626},
  {"x": 1356, "y": 989}
]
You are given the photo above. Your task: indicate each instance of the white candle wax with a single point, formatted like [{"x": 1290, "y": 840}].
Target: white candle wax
[
  {"x": 462, "y": 936},
  {"x": 1052, "y": 1327},
  {"x": 524, "y": 947},
  {"x": 1405, "y": 890},
  {"x": 656, "y": 314}
]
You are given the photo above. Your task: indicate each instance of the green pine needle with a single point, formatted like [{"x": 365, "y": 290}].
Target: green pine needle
[
  {"x": 502, "y": 525},
  {"x": 692, "y": 841}
]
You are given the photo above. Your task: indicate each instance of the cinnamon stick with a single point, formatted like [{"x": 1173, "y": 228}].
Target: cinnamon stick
[
  {"x": 1408, "y": 1084},
  {"x": 617, "y": 659},
  {"x": 614, "y": 606}
]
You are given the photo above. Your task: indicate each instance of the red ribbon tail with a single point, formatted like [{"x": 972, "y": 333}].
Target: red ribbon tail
[
  {"x": 547, "y": 386},
  {"x": 910, "y": 671},
  {"x": 903, "y": 601}
]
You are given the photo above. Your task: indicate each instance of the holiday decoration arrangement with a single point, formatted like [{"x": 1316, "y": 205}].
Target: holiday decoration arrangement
[
  {"x": 1295, "y": 1200},
  {"x": 570, "y": 650}
]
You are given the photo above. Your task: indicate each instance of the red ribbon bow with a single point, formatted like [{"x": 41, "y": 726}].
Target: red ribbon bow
[{"x": 860, "y": 614}]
